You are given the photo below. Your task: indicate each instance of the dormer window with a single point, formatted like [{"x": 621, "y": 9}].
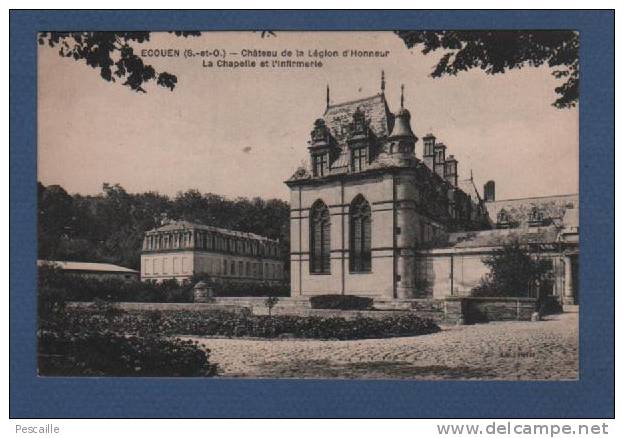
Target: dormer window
[
  {"x": 321, "y": 164},
  {"x": 358, "y": 159},
  {"x": 536, "y": 218},
  {"x": 502, "y": 219},
  {"x": 320, "y": 133},
  {"x": 359, "y": 125}
]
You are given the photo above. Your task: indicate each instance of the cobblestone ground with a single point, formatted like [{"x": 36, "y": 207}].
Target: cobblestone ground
[{"x": 498, "y": 350}]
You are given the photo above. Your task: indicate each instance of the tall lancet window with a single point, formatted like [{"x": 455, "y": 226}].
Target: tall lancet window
[
  {"x": 319, "y": 239},
  {"x": 360, "y": 235}
]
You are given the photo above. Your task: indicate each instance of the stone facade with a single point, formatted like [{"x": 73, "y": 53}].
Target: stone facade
[
  {"x": 362, "y": 153},
  {"x": 179, "y": 249},
  {"x": 370, "y": 218},
  {"x": 450, "y": 310},
  {"x": 455, "y": 265}
]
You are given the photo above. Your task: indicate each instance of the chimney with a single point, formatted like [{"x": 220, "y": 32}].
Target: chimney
[
  {"x": 429, "y": 142},
  {"x": 489, "y": 191},
  {"x": 439, "y": 158},
  {"x": 450, "y": 170}
]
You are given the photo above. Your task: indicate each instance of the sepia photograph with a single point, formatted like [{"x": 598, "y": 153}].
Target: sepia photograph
[{"x": 395, "y": 205}]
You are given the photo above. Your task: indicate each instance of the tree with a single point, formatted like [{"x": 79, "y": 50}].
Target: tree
[
  {"x": 112, "y": 53},
  {"x": 270, "y": 302},
  {"x": 498, "y": 51},
  {"x": 512, "y": 272},
  {"x": 109, "y": 227},
  {"x": 55, "y": 218}
]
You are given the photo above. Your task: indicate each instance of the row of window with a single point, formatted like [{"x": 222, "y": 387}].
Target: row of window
[
  {"x": 320, "y": 162},
  {"x": 239, "y": 268},
  {"x": 210, "y": 241},
  {"x": 221, "y": 267},
  {"x": 359, "y": 237},
  {"x": 535, "y": 215},
  {"x": 167, "y": 265}
]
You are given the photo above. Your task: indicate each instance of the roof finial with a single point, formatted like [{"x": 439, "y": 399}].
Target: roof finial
[
  {"x": 327, "y": 98},
  {"x": 402, "y": 87},
  {"x": 383, "y": 82}
]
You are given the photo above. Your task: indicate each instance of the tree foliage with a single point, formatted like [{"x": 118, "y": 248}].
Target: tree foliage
[
  {"x": 498, "y": 51},
  {"x": 513, "y": 271},
  {"x": 109, "y": 227}
]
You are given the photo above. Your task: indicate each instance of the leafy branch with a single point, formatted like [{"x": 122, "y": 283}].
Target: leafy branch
[
  {"x": 496, "y": 52},
  {"x": 112, "y": 54}
]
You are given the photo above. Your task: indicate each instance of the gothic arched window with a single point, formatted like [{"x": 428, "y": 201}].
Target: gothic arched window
[
  {"x": 319, "y": 238},
  {"x": 360, "y": 235}
]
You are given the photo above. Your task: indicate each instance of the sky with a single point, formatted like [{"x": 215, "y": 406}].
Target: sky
[{"x": 243, "y": 132}]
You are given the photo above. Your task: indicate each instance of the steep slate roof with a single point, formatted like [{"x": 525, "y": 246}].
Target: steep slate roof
[
  {"x": 495, "y": 238},
  {"x": 468, "y": 187},
  {"x": 181, "y": 225},
  {"x": 86, "y": 266},
  {"x": 338, "y": 117},
  {"x": 552, "y": 208}
]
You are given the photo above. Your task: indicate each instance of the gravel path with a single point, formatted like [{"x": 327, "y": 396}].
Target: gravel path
[{"x": 498, "y": 350}]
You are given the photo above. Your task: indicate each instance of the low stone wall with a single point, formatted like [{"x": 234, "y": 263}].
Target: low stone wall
[
  {"x": 196, "y": 307},
  {"x": 470, "y": 310},
  {"x": 255, "y": 305},
  {"x": 347, "y": 314},
  {"x": 450, "y": 310}
]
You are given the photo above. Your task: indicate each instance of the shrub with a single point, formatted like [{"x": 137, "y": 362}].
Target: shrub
[
  {"x": 104, "y": 340},
  {"x": 223, "y": 288},
  {"x": 512, "y": 272},
  {"x": 228, "y": 324},
  {"x": 270, "y": 303},
  {"x": 76, "y": 288},
  {"x": 548, "y": 305},
  {"x": 51, "y": 300},
  {"x": 485, "y": 288},
  {"x": 106, "y": 308},
  {"x": 341, "y": 302},
  {"x": 95, "y": 353}
]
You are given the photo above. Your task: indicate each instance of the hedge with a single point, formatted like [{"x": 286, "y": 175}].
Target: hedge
[
  {"x": 104, "y": 353},
  {"x": 227, "y": 324},
  {"x": 57, "y": 287},
  {"x": 91, "y": 344}
]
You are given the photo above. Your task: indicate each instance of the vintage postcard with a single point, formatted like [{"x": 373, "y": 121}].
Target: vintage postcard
[{"x": 289, "y": 204}]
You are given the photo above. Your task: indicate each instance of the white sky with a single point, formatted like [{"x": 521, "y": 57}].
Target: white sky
[{"x": 502, "y": 127}]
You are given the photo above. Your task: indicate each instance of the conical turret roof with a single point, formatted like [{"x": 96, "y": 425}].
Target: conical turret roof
[{"x": 402, "y": 128}]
